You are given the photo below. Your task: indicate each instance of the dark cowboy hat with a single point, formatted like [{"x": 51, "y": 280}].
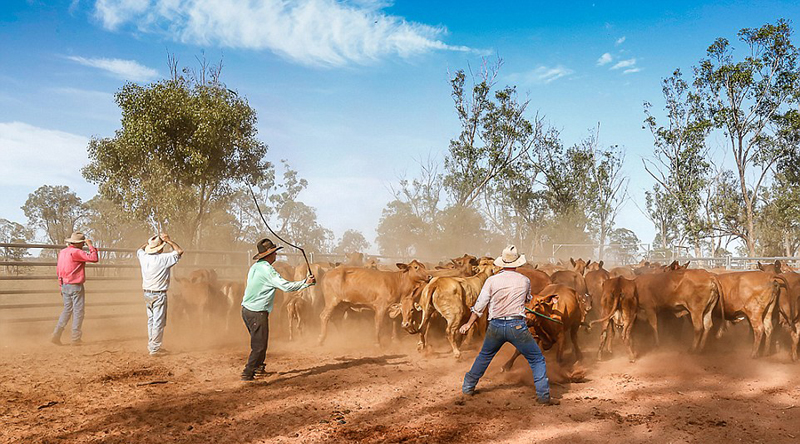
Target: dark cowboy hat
[{"x": 265, "y": 248}]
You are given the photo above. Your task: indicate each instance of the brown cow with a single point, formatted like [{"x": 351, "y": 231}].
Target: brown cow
[
  {"x": 234, "y": 293},
  {"x": 459, "y": 267},
  {"x": 313, "y": 301},
  {"x": 199, "y": 298},
  {"x": 788, "y": 302},
  {"x": 354, "y": 259},
  {"x": 577, "y": 282},
  {"x": 626, "y": 272},
  {"x": 754, "y": 295},
  {"x": 693, "y": 292},
  {"x": 365, "y": 288},
  {"x": 557, "y": 302},
  {"x": 594, "y": 283},
  {"x": 620, "y": 304},
  {"x": 579, "y": 266},
  {"x": 549, "y": 268},
  {"x": 452, "y": 298}
]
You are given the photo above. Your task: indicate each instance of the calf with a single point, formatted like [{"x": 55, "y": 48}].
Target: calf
[
  {"x": 692, "y": 292},
  {"x": 373, "y": 289},
  {"x": 560, "y": 304},
  {"x": 452, "y": 299},
  {"x": 577, "y": 282},
  {"x": 620, "y": 304},
  {"x": 200, "y": 299}
]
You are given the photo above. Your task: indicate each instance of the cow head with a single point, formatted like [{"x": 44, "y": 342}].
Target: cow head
[
  {"x": 416, "y": 272},
  {"x": 594, "y": 266},
  {"x": 771, "y": 268},
  {"x": 579, "y": 266},
  {"x": 354, "y": 259},
  {"x": 371, "y": 264},
  {"x": 545, "y": 331},
  {"x": 410, "y": 310},
  {"x": 486, "y": 265},
  {"x": 466, "y": 264}
]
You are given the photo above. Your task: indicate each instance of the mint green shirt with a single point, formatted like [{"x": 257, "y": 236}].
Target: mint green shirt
[{"x": 262, "y": 281}]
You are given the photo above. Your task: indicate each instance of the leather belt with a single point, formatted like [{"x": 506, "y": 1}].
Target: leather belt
[{"x": 510, "y": 318}]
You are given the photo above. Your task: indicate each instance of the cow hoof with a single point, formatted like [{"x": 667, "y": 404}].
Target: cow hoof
[{"x": 457, "y": 356}]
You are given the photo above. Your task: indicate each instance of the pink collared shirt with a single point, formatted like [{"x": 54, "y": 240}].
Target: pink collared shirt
[
  {"x": 71, "y": 262},
  {"x": 505, "y": 294}
]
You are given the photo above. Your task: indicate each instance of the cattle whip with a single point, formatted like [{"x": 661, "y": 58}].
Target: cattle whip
[{"x": 263, "y": 219}]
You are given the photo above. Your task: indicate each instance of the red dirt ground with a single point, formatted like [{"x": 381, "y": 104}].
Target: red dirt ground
[{"x": 110, "y": 390}]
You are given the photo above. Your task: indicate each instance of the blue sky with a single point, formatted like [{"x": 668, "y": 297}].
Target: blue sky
[{"x": 351, "y": 93}]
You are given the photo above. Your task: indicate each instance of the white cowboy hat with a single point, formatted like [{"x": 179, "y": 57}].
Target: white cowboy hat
[
  {"x": 510, "y": 258},
  {"x": 76, "y": 238},
  {"x": 154, "y": 245}
]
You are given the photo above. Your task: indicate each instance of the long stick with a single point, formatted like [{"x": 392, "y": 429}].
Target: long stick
[{"x": 255, "y": 201}]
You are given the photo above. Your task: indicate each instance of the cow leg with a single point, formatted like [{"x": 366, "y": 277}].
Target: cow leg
[
  {"x": 708, "y": 323},
  {"x": 290, "y": 316},
  {"x": 603, "y": 339},
  {"x": 452, "y": 337},
  {"x": 795, "y": 333},
  {"x": 560, "y": 346},
  {"x": 768, "y": 327},
  {"x": 652, "y": 319},
  {"x": 324, "y": 318},
  {"x": 380, "y": 314},
  {"x": 576, "y": 349},
  {"x": 423, "y": 338},
  {"x": 507, "y": 366},
  {"x": 758, "y": 335}
]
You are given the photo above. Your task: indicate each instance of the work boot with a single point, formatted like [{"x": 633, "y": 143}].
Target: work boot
[
  {"x": 548, "y": 401},
  {"x": 248, "y": 377},
  {"x": 55, "y": 340},
  {"x": 76, "y": 342},
  {"x": 261, "y": 370}
]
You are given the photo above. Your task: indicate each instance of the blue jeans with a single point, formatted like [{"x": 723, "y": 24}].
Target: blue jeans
[
  {"x": 516, "y": 332},
  {"x": 74, "y": 305},
  {"x": 156, "y": 318}
]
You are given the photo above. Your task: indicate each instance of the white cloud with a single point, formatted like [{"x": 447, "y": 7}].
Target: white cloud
[
  {"x": 310, "y": 32},
  {"x": 631, "y": 70},
  {"x": 620, "y": 40},
  {"x": 122, "y": 69},
  {"x": 604, "y": 59},
  {"x": 624, "y": 64},
  {"x": 541, "y": 75},
  {"x": 33, "y": 156}
]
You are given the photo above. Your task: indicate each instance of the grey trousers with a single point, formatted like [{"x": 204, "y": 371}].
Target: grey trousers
[{"x": 74, "y": 305}]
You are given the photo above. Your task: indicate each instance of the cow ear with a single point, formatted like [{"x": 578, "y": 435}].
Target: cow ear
[
  {"x": 686, "y": 265},
  {"x": 402, "y": 266},
  {"x": 395, "y": 310},
  {"x": 572, "y": 261},
  {"x": 417, "y": 306},
  {"x": 600, "y": 264},
  {"x": 588, "y": 262},
  {"x": 778, "y": 264},
  {"x": 473, "y": 261},
  {"x": 551, "y": 299}
]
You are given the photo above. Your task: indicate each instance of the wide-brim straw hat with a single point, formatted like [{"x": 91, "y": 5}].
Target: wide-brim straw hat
[
  {"x": 154, "y": 245},
  {"x": 76, "y": 238},
  {"x": 265, "y": 248},
  {"x": 510, "y": 258}
]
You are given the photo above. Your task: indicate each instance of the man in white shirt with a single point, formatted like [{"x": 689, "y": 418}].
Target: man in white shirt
[
  {"x": 505, "y": 294},
  {"x": 156, "y": 267}
]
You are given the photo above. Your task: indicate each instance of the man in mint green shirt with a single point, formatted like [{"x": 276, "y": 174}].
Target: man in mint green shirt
[{"x": 259, "y": 295}]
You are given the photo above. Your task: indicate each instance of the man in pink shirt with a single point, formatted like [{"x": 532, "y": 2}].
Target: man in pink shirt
[{"x": 70, "y": 269}]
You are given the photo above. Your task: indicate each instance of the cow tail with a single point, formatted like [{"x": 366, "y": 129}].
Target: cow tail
[
  {"x": 717, "y": 288},
  {"x": 779, "y": 281},
  {"x": 617, "y": 295},
  {"x": 426, "y": 302}
]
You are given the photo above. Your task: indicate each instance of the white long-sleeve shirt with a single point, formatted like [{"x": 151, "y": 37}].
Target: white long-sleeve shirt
[{"x": 505, "y": 294}]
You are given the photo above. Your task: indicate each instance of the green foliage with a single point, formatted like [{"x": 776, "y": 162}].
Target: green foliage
[
  {"x": 680, "y": 167},
  {"x": 111, "y": 227},
  {"x": 185, "y": 145},
  {"x": 744, "y": 98},
  {"x": 401, "y": 233},
  {"x": 663, "y": 211},
  {"x": 352, "y": 241},
  {"x": 624, "y": 246},
  {"x": 12, "y": 232},
  {"x": 54, "y": 209},
  {"x": 779, "y": 219}
]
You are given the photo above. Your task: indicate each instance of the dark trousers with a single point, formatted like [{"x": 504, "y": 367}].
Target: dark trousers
[{"x": 257, "y": 323}]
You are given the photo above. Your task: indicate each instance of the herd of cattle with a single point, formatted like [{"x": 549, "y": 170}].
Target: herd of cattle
[{"x": 419, "y": 297}]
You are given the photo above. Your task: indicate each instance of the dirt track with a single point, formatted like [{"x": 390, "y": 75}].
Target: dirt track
[{"x": 109, "y": 390}]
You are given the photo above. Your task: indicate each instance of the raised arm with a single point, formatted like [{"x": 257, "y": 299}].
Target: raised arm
[
  {"x": 83, "y": 256},
  {"x": 165, "y": 237}
]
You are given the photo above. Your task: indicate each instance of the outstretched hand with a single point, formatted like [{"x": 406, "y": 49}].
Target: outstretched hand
[{"x": 465, "y": 328}]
